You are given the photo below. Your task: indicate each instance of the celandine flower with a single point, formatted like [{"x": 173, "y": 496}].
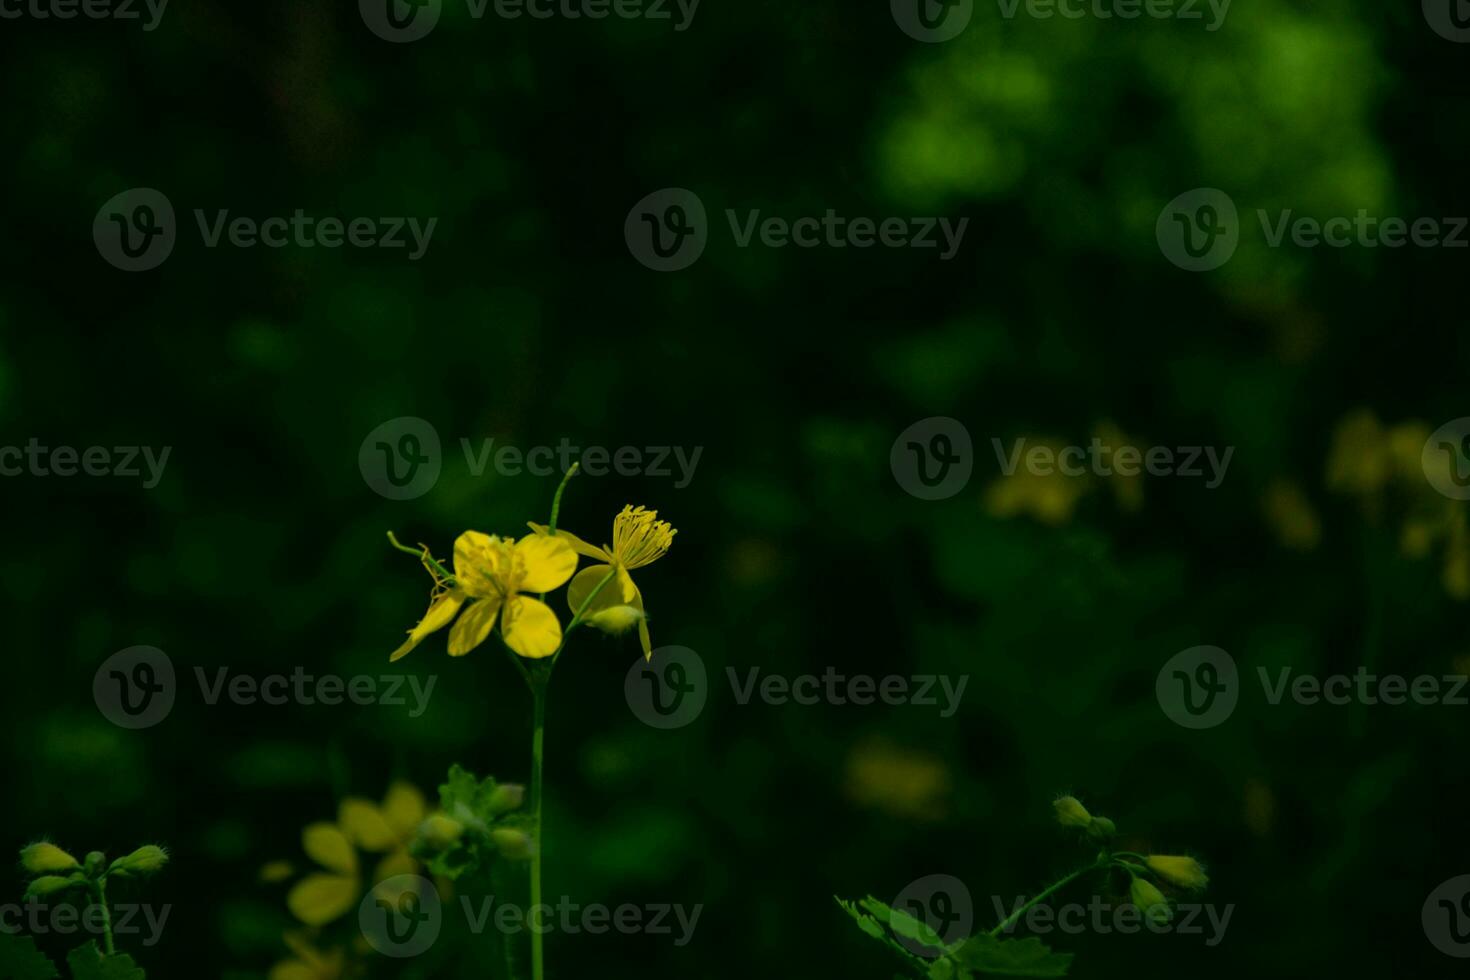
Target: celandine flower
[
  {"x": 639, "y": 538},
  {"x": 309, "y": 963},
  {"x": 490, "y": 573}
]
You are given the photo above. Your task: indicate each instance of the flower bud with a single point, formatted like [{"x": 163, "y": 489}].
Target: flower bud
[
  {"x": 43, "y": 857},
  {"x": 94, "y": 862},
  {"x": 615, "y": 620},
  {"x": 506, "y": 797},
  {"x": 144, "y": 861},
  {"x": 1102, "y": 829},
  {"x": 441, "y": 832},
  {"x": 1185, "y": 872},
  {"x": 514, "y": 844},
  {"x": 51, "y": 884},
  {"x": 1071, "y": 812},
  {"x": 1151, "y": 901}
]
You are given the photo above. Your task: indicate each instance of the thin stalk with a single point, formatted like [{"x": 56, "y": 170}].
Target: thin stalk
[
  {"x": 106, "y": 917},
  {"x": 1015, "y": 916},
  {"x": 538, "y": 770}
]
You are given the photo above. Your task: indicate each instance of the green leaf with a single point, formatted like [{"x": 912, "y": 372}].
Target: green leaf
[
  {"x": 1028, "y": 957},
  {"x": 88, "y": 963},
  {"x": 21, "y": 960}
]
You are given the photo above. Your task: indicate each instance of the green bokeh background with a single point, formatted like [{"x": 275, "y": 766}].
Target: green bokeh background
[{"x": 262, "y": 548}]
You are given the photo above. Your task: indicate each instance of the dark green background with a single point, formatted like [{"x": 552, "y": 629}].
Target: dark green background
[{"x": 528, "y": 321}]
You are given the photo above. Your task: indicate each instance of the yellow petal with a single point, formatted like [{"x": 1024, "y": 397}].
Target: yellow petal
[
  {"x": 471, "y": 629},
  {"x": 365, "y": 825},
  {"x": 544, "y": 563},
  {"x": 587, "y": 582},
  {"x": 643, "y": 639},
  {"x": 293, "y": 970},
  {"x": 325, "y": 844},
  {"x": 479, "y": 560},
  {"x": 438, "y": 617},
  {"x": 318, "y": 899},
  {"x": 531, "y": 628},
  {"x": 276, "y": 871},
  {"x": 578, "y": 545},
  {"x": 405, "y": 808}
]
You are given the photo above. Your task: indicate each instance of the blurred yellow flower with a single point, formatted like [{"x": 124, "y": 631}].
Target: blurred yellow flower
[
  {"x": 901, "y": 782},
  {"x": 1291, "y": 515},
  {"x": 1185, "y": 872},
  {"x": 308, "y": 962},
  {"x": 639, "y": 538},
  {"x": 490, "y": 575},
  {"x": 1050, "y": 498},
  {"x": 388, "y": 829}
]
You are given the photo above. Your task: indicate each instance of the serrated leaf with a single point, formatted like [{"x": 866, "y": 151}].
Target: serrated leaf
[
  {"x": 89, "y": 963},
  {"x": 903, "y": 924},
  {"x": 21, "y": 960},
  {"x": 1028, "y": 957}
]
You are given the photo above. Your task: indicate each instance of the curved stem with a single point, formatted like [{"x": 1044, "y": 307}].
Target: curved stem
[
  {"x": 538, "y": 733},
  {"x": 106, "y": 917},
  {"x": 1015, "y": 916}
]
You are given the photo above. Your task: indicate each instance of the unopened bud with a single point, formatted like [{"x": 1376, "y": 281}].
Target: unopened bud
[
  {"x": 514, "y": 844},
  {"x": 144, "y": 861},
  {"x": 1185, "y": 872},
  {"x": 616, "y": 620},
  {"x": 95, "y": 862},
  {"x": 1071, "y": 812},
  {"x": 1101, "y": 829},
  {"x": 440, "y": 831},
  {"x": 51, "y": 884},
  {"x": 1151, "y": 901},
  {"x": 506, "y": 797},
  {"x": 43, "y": 857}
]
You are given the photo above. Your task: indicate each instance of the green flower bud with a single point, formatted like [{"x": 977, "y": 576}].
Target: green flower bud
[
  {"x": 1101, "y": 829},
  {"x": 1151, "y": 900},
  {"x": 51, "y": 884},
  {"x": 95, "y": 862},
  {"x": 506, "y": 797},
  {"x": 1071, "y": 812},
  {"x": 144, "y": 861},
  {"x": 441, "y": 832},
  {"x": 1185, "y": 872},
  {"x": 43, "y": 857},
  {"x": 615, "y": 620},
  {"x": 514, "y": 844}
]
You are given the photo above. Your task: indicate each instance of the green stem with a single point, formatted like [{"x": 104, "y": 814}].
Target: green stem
[
  {"x": 556, "y": 500},
  {"x": 106, "y": 917},
  {"x": 538, "y": 766},
  {"x": 1015, "y": 916}
]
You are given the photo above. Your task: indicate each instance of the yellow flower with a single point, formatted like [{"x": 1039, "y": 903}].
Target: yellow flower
[
  {"x": 639, "y": 538},
  {"x": 490, "y": 573},
  {"x": 322, "y": 897},
  {"x": 309, "y": 963},
  {"x": 1185, "y": 872}
]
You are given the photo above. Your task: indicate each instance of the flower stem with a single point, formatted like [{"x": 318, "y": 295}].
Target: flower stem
[
  {"x": 106, "y": 917},
  {"x": 1015, "y": 916},
  {"x": 538, "y": 766}
]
